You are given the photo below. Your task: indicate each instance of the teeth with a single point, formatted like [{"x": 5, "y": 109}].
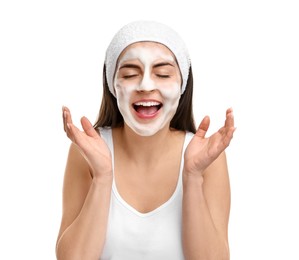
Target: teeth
[{"x": 147, "y": 104}]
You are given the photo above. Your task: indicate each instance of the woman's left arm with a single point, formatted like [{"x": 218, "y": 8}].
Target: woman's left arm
[{"x": 206, "y": 193}]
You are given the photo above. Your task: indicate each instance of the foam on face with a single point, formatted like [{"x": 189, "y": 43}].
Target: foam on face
[{"x": 146, "y": 100}]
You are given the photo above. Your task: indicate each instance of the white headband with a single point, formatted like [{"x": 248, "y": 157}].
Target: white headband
[{"x": 139, "y": 31}]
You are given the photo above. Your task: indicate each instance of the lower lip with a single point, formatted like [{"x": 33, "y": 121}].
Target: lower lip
[{"x": 151, "y": 116}]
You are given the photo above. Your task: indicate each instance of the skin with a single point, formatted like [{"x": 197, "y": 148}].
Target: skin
[
  {"x": 146, "y": 68},
  {"x": 146, "y": 172},
  {"x": 206, "y": 199}
]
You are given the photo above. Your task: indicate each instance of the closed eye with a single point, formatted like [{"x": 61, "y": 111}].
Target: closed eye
[
  {"x": 163, "y": 76},
  {"x": 130, "y": 76}
]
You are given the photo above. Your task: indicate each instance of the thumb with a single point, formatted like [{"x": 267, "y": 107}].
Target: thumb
[
  {"x": 203, "y": 127},
  {"x": 88, "y": 128}
]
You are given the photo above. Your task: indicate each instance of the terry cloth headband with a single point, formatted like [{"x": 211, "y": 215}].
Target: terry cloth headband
[{"x": 139, "y": 31}]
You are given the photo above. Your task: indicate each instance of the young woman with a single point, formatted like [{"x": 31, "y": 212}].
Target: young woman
[{"x": 143, "y": 183}]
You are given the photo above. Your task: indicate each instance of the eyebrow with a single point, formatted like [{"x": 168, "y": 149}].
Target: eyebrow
[
  {"x": 163, "y": 64},
  {"x": 129, "y": 65},
  {"x": 134, "y": 66}
]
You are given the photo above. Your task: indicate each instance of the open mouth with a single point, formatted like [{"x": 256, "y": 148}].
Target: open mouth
[{"x": 148, "y": 108}]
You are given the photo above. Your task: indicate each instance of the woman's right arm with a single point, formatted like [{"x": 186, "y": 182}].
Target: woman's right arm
[{"x": 86, "y": 194}]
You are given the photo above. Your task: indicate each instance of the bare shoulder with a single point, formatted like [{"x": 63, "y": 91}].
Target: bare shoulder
[
  {"x": 216, "y": 188},
  {"x": 77, "y": 180}
]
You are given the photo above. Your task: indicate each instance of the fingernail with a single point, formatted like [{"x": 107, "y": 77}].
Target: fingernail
[{"x": 68, "y": 126}]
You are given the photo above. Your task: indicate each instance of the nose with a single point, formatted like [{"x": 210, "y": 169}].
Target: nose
[{"x": 146, "y": 84}]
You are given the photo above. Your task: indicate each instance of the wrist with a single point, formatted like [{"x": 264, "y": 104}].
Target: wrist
[
  {"x": 103, "y": 179},
  {"x": 193, "y": 179},
  {"x": 190, "y": 172}
]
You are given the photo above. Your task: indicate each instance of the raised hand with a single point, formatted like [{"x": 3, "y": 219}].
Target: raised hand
[
  {"x": 91, "y": 145},
  {"x": 202, "y": 150}
]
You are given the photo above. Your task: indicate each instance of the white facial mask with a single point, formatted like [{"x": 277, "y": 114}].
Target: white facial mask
[{"x": 146, "y": 120}]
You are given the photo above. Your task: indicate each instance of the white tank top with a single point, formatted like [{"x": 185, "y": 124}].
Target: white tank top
[{"x": 155, "y": 235}]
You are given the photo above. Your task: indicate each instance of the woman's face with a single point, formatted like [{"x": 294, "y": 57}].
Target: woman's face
[{"x": 148, "y": 87}]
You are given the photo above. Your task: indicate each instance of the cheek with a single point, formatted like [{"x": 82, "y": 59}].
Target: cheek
[
  {"x": 123, "y": 91},
  {"x": 172, "y": 92}
]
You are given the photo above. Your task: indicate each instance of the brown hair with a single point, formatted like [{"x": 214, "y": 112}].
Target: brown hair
[{"x": 183, "y": 119}]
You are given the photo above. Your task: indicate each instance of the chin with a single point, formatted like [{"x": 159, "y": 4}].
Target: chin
[{"x": 145, "y": 133}]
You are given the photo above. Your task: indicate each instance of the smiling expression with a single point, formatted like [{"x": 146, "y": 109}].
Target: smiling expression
[{"x": 148, "y": 87}]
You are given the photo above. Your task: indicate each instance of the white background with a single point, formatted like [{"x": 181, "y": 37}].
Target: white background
[{"x": 245, "y": 54}]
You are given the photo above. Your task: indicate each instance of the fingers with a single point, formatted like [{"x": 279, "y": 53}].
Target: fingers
[
  {"x": 63, "y": 118},
  {"x": 88, "y": 128},
  {"x": 73, "y": 132},
  {"x": 203, "y": 127},
  {"x": 68, "y": 126},
  {"x": 229, "y": 127},
  {"x": 229, "y": 121},
  {"x": 67, "y": 118}
]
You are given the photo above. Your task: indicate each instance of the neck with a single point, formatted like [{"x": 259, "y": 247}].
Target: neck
[{"x": 144, "y": 149}]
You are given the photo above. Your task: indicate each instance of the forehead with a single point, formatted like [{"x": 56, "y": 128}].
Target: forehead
[{"x": 154, "y": 48}]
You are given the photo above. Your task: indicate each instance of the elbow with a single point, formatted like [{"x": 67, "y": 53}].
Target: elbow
[
  {"x": 64, "y": 252},
  {"x": 75, "y": 253},
  {"x": 224, "y": 254},
  {"x": 210, "y": 252},
  {"x": 68, "y": 255}
]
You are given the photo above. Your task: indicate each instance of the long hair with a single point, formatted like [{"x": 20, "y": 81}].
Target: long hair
[{"x": 109, "y": 115}]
